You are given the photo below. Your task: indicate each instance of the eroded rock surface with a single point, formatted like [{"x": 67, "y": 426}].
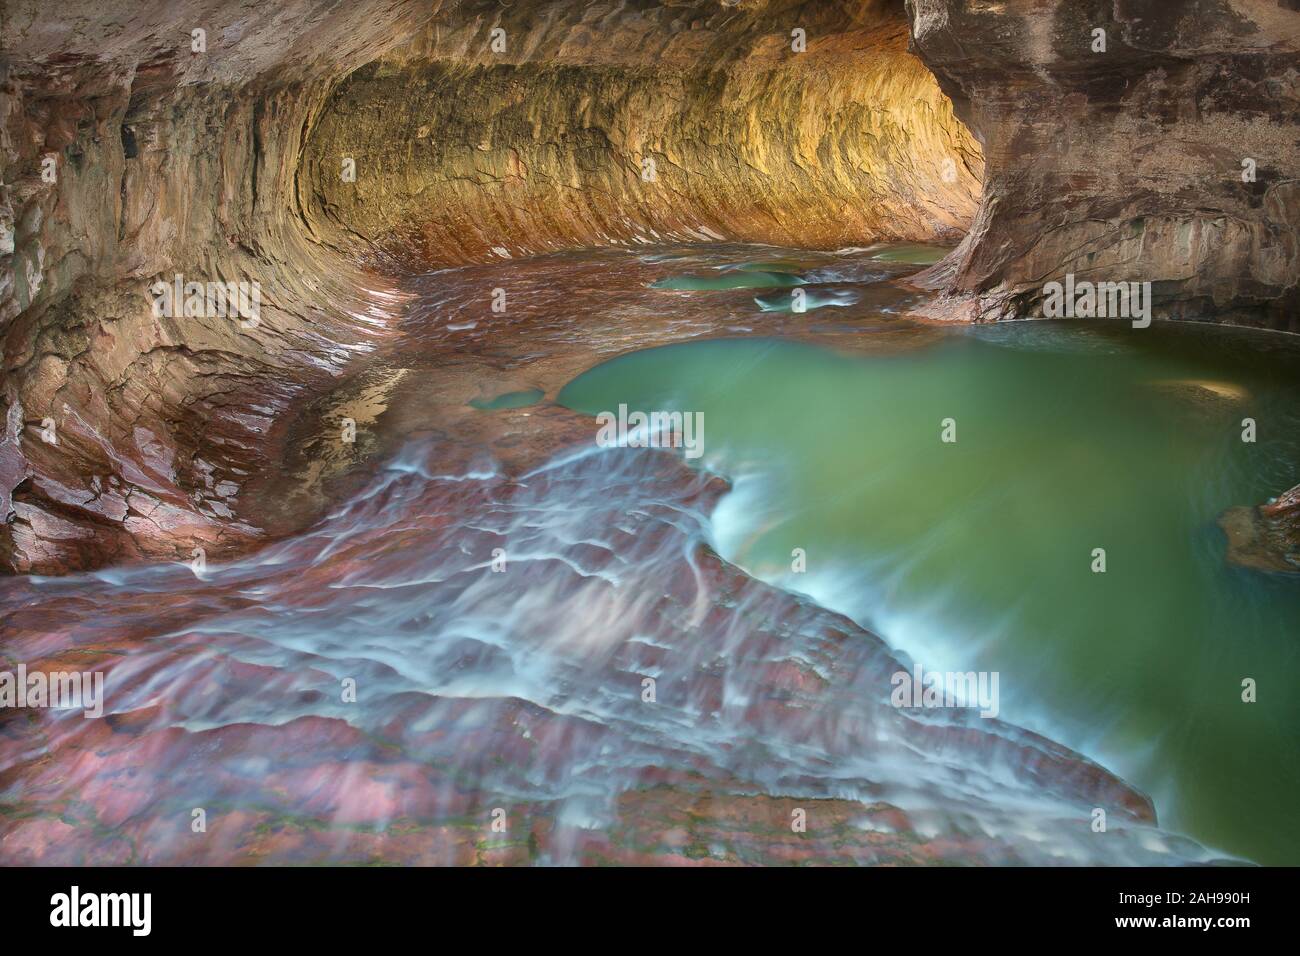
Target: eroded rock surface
[
  {"x": 135, "y": 150},
  {"x": 128, "y": 157},
  {"x": 1172, "y": 157},
  {"x": 516, "y": 693},
  {"x": 598, "y": 124}
]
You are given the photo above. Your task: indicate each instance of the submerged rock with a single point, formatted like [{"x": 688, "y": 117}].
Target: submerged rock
[
  {"x": 1204, "y": 389},
  {"x": 1207, "y": 400},
  {"x": 1265, "y": 537}
]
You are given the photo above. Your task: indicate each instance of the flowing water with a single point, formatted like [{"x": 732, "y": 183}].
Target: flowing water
[
  {"x": 979, "y": 553},
  {"x": 473, "y": 630}
]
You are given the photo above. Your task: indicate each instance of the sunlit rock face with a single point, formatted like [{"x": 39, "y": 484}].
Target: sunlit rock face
[
  {"x": 1170, "y": 157},
  {"x": 131, "y": 435},
  {"x": 130, "y": 157},
  {"x": 592, "y": 124}
]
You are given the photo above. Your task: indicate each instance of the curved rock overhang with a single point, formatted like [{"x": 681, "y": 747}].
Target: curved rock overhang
[
  {"x": 1127, "y": 141},
  {"x": 143, "y": 142},
  {"x": 176, "y": 139},
  {"x": 790, "y": 123}
]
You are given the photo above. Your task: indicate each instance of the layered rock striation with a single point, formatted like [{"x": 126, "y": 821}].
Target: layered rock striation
[
  {"x": 1126, "y": 140},
  {"x": 145, "y": 142},
  {"x": 788, "y": 123},
  {"x": 135, "y": 150}
]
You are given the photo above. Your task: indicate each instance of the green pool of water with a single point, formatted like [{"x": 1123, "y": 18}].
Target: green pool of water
[
  {"x": 736, "y": 279},
  {"x": 520, "y": 399},
  {"x": 979, "y": 554},
  {"x": 913, "y": 253}
]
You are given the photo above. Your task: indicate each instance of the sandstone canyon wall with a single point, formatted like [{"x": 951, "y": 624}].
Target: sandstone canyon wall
[
  {"x": 1164, "y": 149},
  {"x": 665, "y": 121},
  {"x": 129, "y": 435}
]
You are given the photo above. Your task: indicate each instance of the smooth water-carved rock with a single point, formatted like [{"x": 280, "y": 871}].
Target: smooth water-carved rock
[
  {"x": 1142, "y": 140},
  {"x": 683, "y": 121},
  {"x": 519, "y": 688},
  {"x": 320, "y": 151},
  {"x": 131, "y": 157}
]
